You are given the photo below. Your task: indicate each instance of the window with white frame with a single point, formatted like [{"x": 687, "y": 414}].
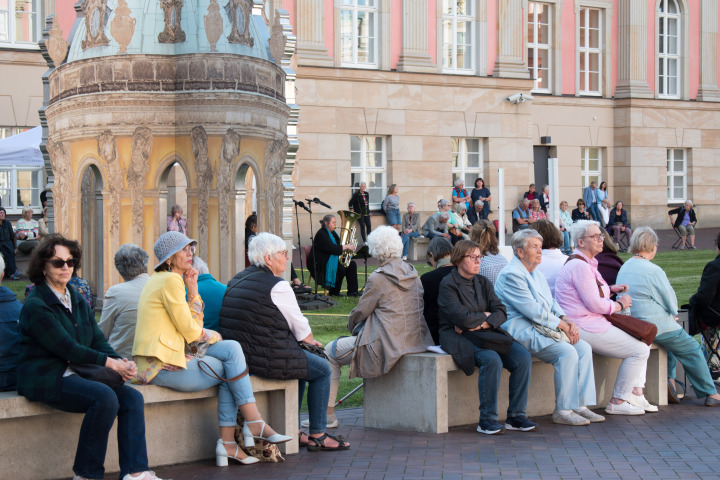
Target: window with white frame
[
  {"x": 20, "y": 23},
  {"x": 20, "y": 187},
  {"x": 458, "y": 49},
  {"x": 467, "y": 159},
  {"x": 590, "y": 43},
  {"x": 540, "y": 45},
  {"x": 358, "y": 33},
  {"x": 368, "y": 163},
  {"x": 676, "y": 174},
  {"x": 590, "y": 165},
  {"x": 668, "y": 49}
]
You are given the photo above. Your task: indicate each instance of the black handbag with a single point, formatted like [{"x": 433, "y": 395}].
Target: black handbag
[
  {"x": 98, "y": 373},
  {"x": 314, "y": 349},
  {"x": 495, "y": 339}
]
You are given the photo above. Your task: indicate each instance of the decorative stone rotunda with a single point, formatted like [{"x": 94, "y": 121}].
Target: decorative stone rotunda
[{"x": 150, "y": 94}]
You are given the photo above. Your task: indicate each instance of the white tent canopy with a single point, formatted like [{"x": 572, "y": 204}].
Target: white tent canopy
[{"x": 22, "y": 149}]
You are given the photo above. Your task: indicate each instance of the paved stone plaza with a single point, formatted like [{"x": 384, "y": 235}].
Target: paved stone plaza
[{"x": 681, "y": 441}]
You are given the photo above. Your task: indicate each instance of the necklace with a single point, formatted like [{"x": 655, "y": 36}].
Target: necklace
[{"x": 638, "y": 255}]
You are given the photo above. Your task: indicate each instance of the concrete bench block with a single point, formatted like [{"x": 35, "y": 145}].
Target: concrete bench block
[
  {"x": 180, "y": 427},
  {"x": 418, "y": 248},
  {"x": 427, "y": 392}
]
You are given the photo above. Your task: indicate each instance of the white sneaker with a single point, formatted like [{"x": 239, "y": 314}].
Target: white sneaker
[
  {"x": 624, "y": 408},
  {"x": 404, "y": 257},
  {"x": 332, "y": 422},
  {"x": 641, "y": 401},
  {"x": 590, "y": 415},
  {"x": 569, "y": 418},
  {"x": 149, "y": 475}
]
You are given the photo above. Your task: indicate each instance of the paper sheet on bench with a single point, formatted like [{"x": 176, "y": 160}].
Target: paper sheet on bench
[{"x": 436, "y": 349}]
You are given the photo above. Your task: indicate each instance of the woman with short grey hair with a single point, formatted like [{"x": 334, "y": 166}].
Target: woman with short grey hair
[
  {"x": 654, "y": 301},
  {"x": 176, "y": 222},
  {"x": 519, "y": 239},
  {"x": 685, "y": 222},
  {"x": 119, "y": 313}
]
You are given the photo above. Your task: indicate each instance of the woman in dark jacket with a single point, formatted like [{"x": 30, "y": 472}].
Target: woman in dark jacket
[
  {"x": 8, "y": 247},
  {"x": 57, "y": 329},
  {"x": 608, "y": 261},
  {"x": 467, "y": 303},
  {"x": 581, "y": 212},
  {"x": 705, "y": 304},
  {"x": 619, "y": 223},
  {"x": 685, "y": 222},
  {"x": 323, "y": 260}
]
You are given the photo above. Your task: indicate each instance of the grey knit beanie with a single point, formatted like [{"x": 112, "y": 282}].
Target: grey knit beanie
[{"x": 169, "y": 244}]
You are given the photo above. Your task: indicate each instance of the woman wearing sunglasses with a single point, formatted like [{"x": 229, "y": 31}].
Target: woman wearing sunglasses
[{"x": 57, "y": 328}]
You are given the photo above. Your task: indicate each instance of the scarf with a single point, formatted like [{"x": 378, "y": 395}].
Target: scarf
[{"x": 332, "y": 264}]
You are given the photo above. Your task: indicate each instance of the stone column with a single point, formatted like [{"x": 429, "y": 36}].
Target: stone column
[
  {"x": 632, "y": 58},
  {"x": 510, "y": 61},
  {"x": 414, "y": 56},
  {"x": 309, "y": 23},
  {"x": 708, "y": 91}
]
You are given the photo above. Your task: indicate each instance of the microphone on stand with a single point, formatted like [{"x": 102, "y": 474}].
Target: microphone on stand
[
  {"x": 301, "y": 205},
  {"x": 318, "y": 201}
]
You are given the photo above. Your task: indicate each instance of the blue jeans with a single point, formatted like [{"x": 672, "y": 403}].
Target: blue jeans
[
  {"x": 101, "y": 405},
  {"x": 681, "y": 346},
  {"x": 566, "y": 242},
  {"x": 227, "y": 359},
  {"x": 595, "y": 212},
  {"x": 406, "y": 241},
  {"x": 490, "y": 363},
  {"x": 318, "y": 377}
]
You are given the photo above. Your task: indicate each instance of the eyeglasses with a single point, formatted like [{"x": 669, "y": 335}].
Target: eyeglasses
[
  {"x": 284, "y": 252},
  {"x": 598, "y": 238},
  {"x": 58, "y": 263},
  {"x": 474, "y": 258}
]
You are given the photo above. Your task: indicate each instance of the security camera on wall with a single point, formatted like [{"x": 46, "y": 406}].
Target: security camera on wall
[{"x": 519, "y": 98}]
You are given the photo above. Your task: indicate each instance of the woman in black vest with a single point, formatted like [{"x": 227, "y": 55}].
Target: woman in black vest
[
  {"x": 260, "y": 311},
  {"x": 323, "y": 260}
]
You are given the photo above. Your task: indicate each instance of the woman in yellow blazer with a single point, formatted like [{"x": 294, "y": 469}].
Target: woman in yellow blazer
[{"x": 167, "y": 321}]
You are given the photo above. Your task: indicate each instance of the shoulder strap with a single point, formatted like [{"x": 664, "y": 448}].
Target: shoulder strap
[
  {"x": 218, "y": 377},
  {"x": 578, "y": 257}
]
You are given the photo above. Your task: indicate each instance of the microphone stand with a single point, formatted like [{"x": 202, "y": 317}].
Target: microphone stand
[{"x": 297, "y": 226}]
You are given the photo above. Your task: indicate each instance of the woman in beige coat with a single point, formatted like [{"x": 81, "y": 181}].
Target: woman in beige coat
[{"x": 390, "y": 313}]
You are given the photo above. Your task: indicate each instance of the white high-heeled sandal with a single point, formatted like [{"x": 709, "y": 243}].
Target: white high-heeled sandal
[
  {"x": 221, "y": 455},
  {"x": 249, "y": 438}
]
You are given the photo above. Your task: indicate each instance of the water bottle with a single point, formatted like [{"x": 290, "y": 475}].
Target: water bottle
[{"x": 624, "y": 311}]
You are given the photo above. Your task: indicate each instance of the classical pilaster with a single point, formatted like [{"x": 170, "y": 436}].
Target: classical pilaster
[
  {"x": 510, "y": 61},
  {"x": 632, "y": 57},
  {"x": 311, "y": 49},
  {"x": 414, "y": 56},
  {"x": 708, "y": 90}
]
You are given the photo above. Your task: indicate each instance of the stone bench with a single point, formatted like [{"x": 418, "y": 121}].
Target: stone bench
[
  {"x": 180, "y": 428},
  {"x": 427, "y": 392},
  {"x": 417, "y": 249}
]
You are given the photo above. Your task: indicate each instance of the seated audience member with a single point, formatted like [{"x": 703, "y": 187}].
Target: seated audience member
[
  {"x": 323, "y": 259},
  {"x": 390, "y": 313},
  {"x": 176, "y": 222},
  {"x": 552, "y": 258},
  {"x": 483, "y": 233},
  {"x": 608, "y": 261},
  {"x": 536, "y": 212},
  {"x": 445, "y": 206},
  {"x": 585, "y": 298},
  {"x": 580, "y": 213},
  {"x": 654, "y": 301},
  {"x": 7, "y": 247},
  {"x": 461, "y": 219},
  {"x": 531, "y": 194},
  {"x": 705, "y": 304},
  {"x": 251, "y": 228},
  {"x": 27, "y": 231},
  {"x": 685, "y": 222},
  {"x": 537, "y": 322},
  {"x": 544, "y": 198},
  {"x": 43, "y": 224},
  {"x": 211, "y": 291},
  {"x": 120, "y": 308},
  {"x": 261, "y": 312},
  {"x": 460, "y": 194},
  {"x": 481, "y": 192},
  {"x": 477, "y": 212},
  {"x": 521, "y": 216},
  {"x": 619, "y": 223},
  {"x": 10, "y": 308},
  {"x": 170, "y": 315},
  {"x": 438, "y": 257},
  {"x": 467, "y": 307},
  {"x": 603, "y": 203},
  {"x": 410, "y": 226},
  {"x": 437, "y": 226},
  {"x": 566, "y": 222},
  {"x": 80, "y": 285}
]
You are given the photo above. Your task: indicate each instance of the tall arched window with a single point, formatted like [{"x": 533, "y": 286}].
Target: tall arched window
[{"x": 669, "y": 48}]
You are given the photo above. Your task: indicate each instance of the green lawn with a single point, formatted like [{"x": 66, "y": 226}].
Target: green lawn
[{"x": 683, "y": 268}]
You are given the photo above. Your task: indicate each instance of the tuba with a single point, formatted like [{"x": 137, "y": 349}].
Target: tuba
[{"x": 347, "y": 234}]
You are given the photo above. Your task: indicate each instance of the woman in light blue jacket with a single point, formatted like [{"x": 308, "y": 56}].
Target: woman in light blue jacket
[
  {"x": 538, "y": 323},
  {"x": 654, "y": 301}
]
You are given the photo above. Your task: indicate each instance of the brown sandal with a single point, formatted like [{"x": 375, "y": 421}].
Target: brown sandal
[
  {"x": 320, "y": 444},
  {"x": 300, "y": 436}
]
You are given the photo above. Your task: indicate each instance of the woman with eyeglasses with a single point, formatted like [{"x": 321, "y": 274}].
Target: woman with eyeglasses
[
  {"x": 584, "y": 296},
  {"x": 170, "y": 316},
  {"x": 57, "y": 329},
  {"x": 467, "y": 303}
]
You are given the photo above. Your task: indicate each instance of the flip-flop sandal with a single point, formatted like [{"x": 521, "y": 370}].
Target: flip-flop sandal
[
  {"x": 320, "y": 444},
  {"x": 300, "y": 442}
]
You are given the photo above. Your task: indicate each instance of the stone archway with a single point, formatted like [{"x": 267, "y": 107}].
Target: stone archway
[
  {"x": 172, "y": 185},
  {"x": 91, "y": 230},
  {"x": 245, "y": 204}
]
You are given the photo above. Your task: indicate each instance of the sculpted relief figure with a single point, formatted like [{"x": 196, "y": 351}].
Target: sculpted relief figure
[
  {"x": 225, "y": 184},
  {"x": 107, "y": 151},
  {"x": 275, "y": 154},
  {"x": 136, "y": 177},
  {"x": 204, "y": 178},
  {"x": 62, "y": 177}
]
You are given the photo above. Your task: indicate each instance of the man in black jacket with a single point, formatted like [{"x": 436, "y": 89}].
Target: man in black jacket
[
  {"x": 685, "y": 223},
  {"x": 477, "y": 212},
  {"x": 323, "y": 260},
  {"x": 360, "y": 203},
  {"x": 705, "y": 304}
]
